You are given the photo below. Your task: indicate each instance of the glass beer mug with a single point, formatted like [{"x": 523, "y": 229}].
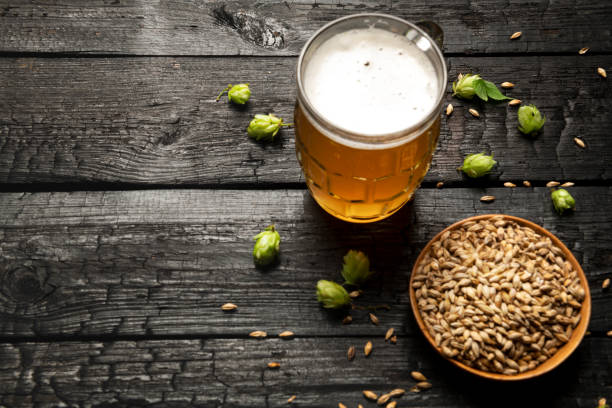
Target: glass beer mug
[{"x": 367, "y": 116}]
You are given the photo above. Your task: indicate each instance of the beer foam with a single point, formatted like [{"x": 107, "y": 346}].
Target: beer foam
[{"x": 371, "y": 81}]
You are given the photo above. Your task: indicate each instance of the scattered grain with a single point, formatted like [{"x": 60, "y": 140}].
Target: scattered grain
[
  {"x": 286, "y": 334},
  {"x": 605, "y": 284},
  {"x": 382, "y": 400},
  {"x": 516, "y": 35},
  {"x": 341, "y": 405},
  {"x": 418, "y": 376},
  {"x": 579, "y": 142},
  {"x": 273, "y": 364},
  {"x": 392, "y": 404},
  {"x": 609, "y": 333},
  {"x": 350, "y": 354},
  {"x": 374, "y": 319},
  {"x": 393, "y": 340},
  {"x": 583, "y": 50},
  {"x": 439, "y": 184},
  {"x": 370, "y": 395},
  {"x": 414, "y": 389},
  {"x": 258, "y": 334},
  {"x": 526, "y": 183},
  {"x": 552, "y": 184},
  {"x": 398, "y": 392},
  {"x": 515, "y": 102},
  {"x": 424, "y": 385},
  {"x": 487, "y": 198},
  {"x": 229, "y": 307},
  {"x": 367, "y": 349},
  {"x": 449, "y": 109},
  {"x": 567, "y": 184},
  {"x": 509, "y": 184},
  {"x": 507, "y": 85},
  {"x": 474, "y": 112},
  {"x": 355, "y": 294},
  {"x": 602, "y": 72},
  {"x": 389, "y": 333},
  {"x": 347, "y": 320},
  {"x": 291, "y": 399}
]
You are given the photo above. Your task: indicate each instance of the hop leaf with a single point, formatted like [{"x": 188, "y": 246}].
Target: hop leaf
[
  {"x": 332, "y": 295},
  {"x": 562, "y": 200},
  {"x": 530, "y": 120},
  {"x": 477, "y": 165},
  {"x": 264, "y": 127},
  {"x": 266, "y": 248},
  {"x": 239, "y": 94},
  {"x": 356, "y": 268}
]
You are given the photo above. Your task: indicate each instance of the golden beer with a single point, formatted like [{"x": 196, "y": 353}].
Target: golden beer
[{"x": 367, "y": 117}]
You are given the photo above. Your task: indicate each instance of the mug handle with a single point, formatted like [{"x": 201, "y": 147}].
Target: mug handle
[{"x": 433, "y": 30}]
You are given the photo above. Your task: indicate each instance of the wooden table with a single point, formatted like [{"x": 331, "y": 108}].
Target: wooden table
[{"x": 130, "y": 199}]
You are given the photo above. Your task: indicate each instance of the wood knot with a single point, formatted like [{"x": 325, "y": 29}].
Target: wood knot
[
  {"x": 25, "y": 283},
  {"x": 261, "y": 31}
]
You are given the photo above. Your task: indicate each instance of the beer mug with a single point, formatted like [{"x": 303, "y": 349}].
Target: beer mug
[{"x": 367, "y": 115}]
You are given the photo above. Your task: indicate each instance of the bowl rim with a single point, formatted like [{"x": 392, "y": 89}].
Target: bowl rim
[{"x": 552, "y": 362}]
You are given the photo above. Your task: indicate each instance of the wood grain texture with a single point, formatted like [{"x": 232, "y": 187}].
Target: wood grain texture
[
  {"x": 161, "y": 263},
  {"x": 171, "y": 27},
  {"x": 155, "y": 121},
  {"x": 233, "y": 373}
]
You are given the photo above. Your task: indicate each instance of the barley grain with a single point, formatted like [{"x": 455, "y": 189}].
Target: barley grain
[
  {"x": 579, "y": 142},
  {"x": 370, "y": 395},
  {"x": 389, "y": 333},
  {"x": 398, "y": 392},
  {"x": 350, "y": 354},
  {"x": 374, "y": 319}
]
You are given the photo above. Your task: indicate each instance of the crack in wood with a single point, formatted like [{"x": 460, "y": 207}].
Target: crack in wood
[{"x": 261, "y": 31}]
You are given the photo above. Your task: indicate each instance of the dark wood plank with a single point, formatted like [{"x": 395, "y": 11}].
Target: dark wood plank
[
  {"x": 163, "y": 262},
  {"x": 155, "y": 121},
  {"x": 233, "y": 373},
  {"x": 176, "y": 27}
]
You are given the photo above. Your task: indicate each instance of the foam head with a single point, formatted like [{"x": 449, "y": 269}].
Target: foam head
[{"x": 371, "y": 81}]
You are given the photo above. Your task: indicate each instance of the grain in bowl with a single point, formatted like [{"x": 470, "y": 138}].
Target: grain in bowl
[{"x": 496, "y": 294}]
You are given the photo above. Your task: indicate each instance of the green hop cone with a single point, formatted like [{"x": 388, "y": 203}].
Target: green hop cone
[
  {"x": 239, "y": 94},
  {"x": 356, "y": 268},
  {"x": 477, "y": 165},
  {"x": 266, "y": 247},
  {"x": 530, "y": 120},
  {"x": 332, "y": 295},
  {"x": 562, "y": 200},
  {"x": 265, "y": 127},
  {"x": 465, "y": 86}
]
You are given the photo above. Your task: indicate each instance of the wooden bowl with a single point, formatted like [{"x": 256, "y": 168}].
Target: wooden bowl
[{"x": 556, "y": 358}]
